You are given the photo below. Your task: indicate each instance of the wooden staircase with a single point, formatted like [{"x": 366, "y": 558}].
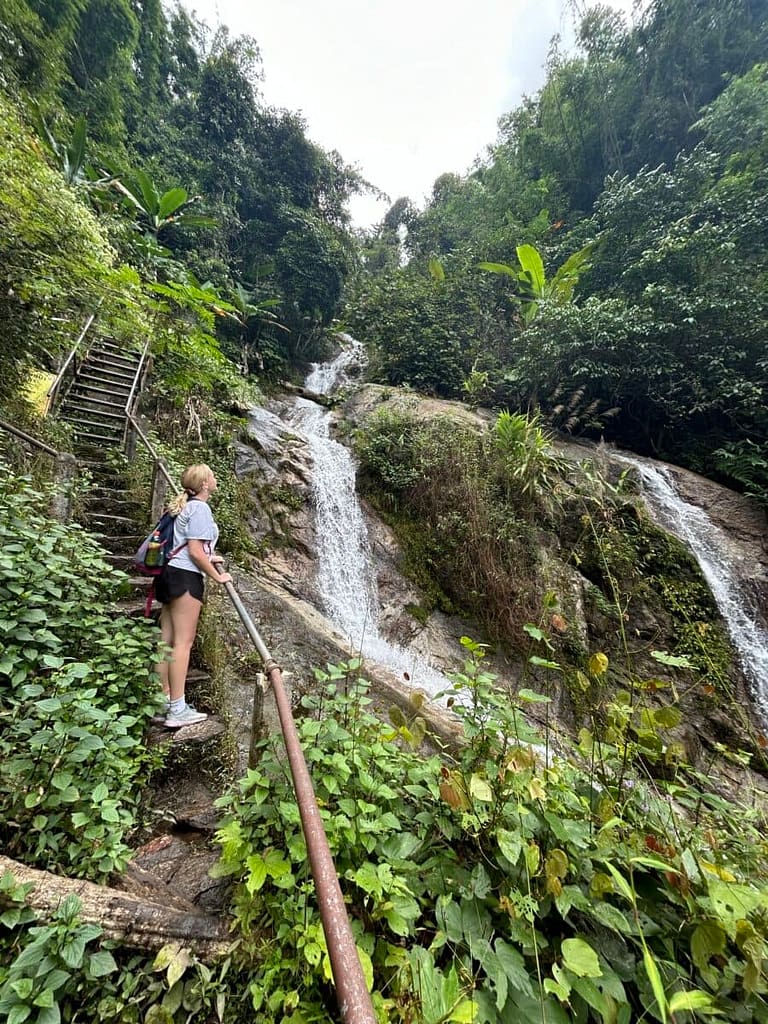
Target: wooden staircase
[{"x": 95, "y": 403}]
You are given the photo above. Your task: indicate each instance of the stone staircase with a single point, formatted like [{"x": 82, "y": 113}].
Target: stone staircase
[{"x": 95, "y": 404}]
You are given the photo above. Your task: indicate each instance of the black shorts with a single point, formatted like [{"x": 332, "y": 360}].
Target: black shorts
[{"x": 173, "y": 582}]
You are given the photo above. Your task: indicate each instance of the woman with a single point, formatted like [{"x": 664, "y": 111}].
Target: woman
[{"x": 180, "y": 587}]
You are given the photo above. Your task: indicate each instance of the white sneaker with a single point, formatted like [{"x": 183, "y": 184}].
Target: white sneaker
[{"x": 188, "y": 716}]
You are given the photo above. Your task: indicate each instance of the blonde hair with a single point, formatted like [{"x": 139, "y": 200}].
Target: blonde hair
[{"x": 193, "y": 480}]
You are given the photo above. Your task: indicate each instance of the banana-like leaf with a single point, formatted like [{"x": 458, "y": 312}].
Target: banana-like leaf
[
  {"x": 129, "y": 194},
  {"x": 149, "y": 193},
  {"x": 195, "y": 220},
  {"x": 532, "y": 266},
  {"x": 567, "y": 277},
  {"x": 499, "y": 268},
  {"x": 170, "y": 202}
]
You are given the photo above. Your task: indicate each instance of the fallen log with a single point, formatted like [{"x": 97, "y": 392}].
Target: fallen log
[{"x": 134, "y": 922}]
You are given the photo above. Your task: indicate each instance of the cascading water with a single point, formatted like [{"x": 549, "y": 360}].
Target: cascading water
[
  {"x": 346, "y": 577},
  {"x": 708, "y": 544}
]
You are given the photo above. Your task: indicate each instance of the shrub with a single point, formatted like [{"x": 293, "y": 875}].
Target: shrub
[
  {"x": 507, "y": 883},
  {"x": 76, "y": 685}
]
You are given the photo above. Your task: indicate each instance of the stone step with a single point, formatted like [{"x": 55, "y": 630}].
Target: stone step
[
  {"x": 121, "y": 561},
  {"x": 119, "y": 544},
  {"x": 105, "y": 475},
  {"x": 141, "y": 583},
  {"x": 109, "y": 524},
  {"x": 103, "y": 499},
  {"x": 109, "y": 371}
]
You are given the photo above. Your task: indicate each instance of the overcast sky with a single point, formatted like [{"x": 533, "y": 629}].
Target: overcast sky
[{"x": 404, "y": 89}]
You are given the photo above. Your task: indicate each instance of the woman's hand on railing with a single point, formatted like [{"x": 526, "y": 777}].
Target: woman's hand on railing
[{"x": 218, "y": 562}]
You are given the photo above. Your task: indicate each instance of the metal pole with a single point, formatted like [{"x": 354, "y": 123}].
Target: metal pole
[{"x": 352, "y": 993}]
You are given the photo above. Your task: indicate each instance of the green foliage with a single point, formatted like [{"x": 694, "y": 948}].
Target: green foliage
[
  {"x": 53, "y": 254},
  {"x": 51, "y": 972},
  {"x": 529, "y": 463},
  {"x": 533, "y": 286},
  {"x": 431, "y": 333},
  {"x": 76, "y": 686},
  {"x": 503, "y": 883},
  {"x": 463, "y": 519}
]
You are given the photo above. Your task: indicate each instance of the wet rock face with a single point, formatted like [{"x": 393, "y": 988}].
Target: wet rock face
[
  {"x": 286, "y": 603},
  {"x": 275, "y": 460},
  {"x": 744, "y": 523}
]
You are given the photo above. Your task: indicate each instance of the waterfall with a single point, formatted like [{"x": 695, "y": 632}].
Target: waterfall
[
  {"x": 709, "y": 545},
  {"x": 346, "y": 574}
]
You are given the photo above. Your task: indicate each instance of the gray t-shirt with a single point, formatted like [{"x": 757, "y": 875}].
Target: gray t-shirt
[{"x": 194, "y": 522}]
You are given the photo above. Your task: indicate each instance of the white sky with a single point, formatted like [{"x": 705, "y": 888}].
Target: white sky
[{"x": 404, "y": 89}]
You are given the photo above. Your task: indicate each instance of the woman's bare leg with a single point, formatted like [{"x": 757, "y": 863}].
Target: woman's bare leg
[
  {"x": 184, "y": 612},
  {"x": 166, "y": 635}
]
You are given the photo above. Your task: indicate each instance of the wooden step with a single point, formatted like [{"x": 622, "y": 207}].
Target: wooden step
[
  {"x": 81, "y": 423},
  {"x": 87, "y": 441},
  {"x": 110, "y": 411},
  {"x": 120, "y": 384},
  {"x": 85, "y": 391},
  {"x": 105, "y": 355},
  {"x": 101, "y": 367},
  {"x": 118, "y": 350}
]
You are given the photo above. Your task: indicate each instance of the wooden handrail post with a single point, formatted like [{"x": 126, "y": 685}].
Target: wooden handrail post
[
  {"x": 64, "y": 474},
  {"x": 159, "y": 492}
]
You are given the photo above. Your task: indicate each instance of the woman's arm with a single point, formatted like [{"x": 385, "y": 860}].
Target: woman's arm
[{"x": 203, "y": 562}]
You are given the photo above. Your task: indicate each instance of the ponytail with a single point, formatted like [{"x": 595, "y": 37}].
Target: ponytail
[{"x": 192, "y": 480}]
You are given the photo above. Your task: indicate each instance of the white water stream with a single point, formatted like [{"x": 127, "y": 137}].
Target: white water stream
[
  {"x": 709, "y": 545},
  {"x": 346, "y": 575}
]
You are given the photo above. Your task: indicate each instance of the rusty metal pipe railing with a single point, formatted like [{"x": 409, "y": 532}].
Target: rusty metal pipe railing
[
  {"x": 354, "y": 1001},
  {"x": 53, "y": 391},
  {"x": 28, "y": 438}
]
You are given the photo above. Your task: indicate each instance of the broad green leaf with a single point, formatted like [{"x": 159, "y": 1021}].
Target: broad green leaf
[
  {"x": 579, "y": 957},
  {"x": 101, "y": 963},
  {"x": 170, "y": 201},
  {"x": 510, "y": 845},
  {"x": 673, "y": 660},
  {"x": 480, "y": 789},
  {"x": 436, "y": 271},
  {"x": 667, "y": 718},
  {"x": 543, "y": 662},
  {"x": 621, "y": 882},
  {"x": 257, "y": 873},
  {"x": 499, "y": 268},
  {"x": 691, "y": 1001},
  {"x": 532, "y": 264},
  {"x": 534, "y": 631},
  {"x": 531, "y": 696},
  {"x": 367, "y": 966}
]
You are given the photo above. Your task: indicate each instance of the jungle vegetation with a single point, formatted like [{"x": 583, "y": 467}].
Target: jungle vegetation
[
  {"x": 601, "y": 268},
  {"x": 645, "y": 153}
]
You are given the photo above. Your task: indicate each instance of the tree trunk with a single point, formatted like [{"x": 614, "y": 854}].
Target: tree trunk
[{"x": 135, "y": 922}]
